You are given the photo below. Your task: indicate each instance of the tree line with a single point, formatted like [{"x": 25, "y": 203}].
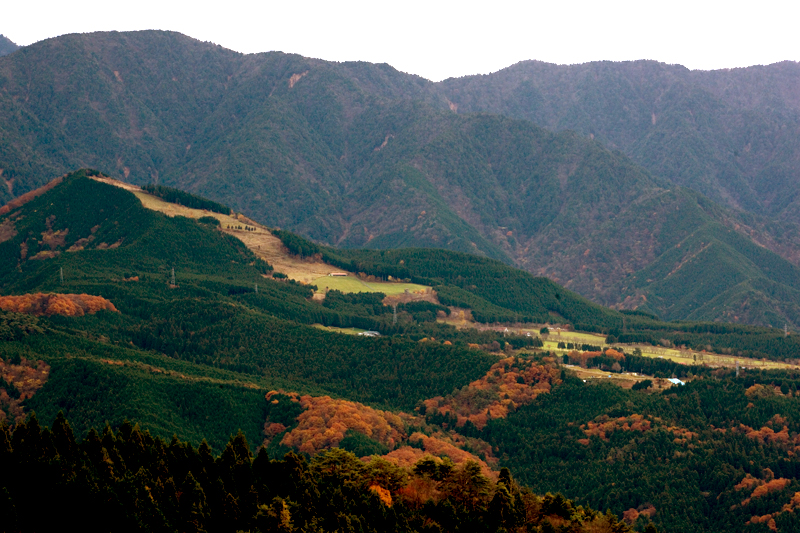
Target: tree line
[{"x": 126, "y": 479}]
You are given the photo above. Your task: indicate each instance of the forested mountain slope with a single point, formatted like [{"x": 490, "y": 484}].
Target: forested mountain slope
[
  {"x": 101, "y": 330},
  {"x": 361, "y": 155},
  {"x": 101, "y": 241},
  {"x": 730, "y": 134}
]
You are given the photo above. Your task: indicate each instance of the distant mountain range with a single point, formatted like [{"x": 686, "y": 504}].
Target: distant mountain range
[
  {"x": 361, "y": 155},
  {"x": 730, "y": 134}
]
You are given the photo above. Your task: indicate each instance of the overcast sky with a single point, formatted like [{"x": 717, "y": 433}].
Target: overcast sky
[{"x": 438, "y": 40}]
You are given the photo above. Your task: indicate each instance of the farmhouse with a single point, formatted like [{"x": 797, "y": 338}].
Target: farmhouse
[
  {"x": 370, "y": 333},
  {"x": 333, "y": 274}
]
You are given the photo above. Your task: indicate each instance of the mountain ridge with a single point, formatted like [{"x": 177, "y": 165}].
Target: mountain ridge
[
  {"x": 725, "y": 133},
  {"x": 358, "y": 155}
]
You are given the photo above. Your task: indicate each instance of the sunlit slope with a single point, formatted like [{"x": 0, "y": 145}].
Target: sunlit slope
[{"x": 260, "y": 240}]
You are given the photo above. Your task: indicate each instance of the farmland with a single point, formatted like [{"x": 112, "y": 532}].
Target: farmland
[{"x": 578, "y": 338}]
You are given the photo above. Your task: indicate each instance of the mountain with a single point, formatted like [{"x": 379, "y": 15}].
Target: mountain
[
  {"x": 155, "y": 321},
  {"x": 361, "y": 155},
  {"x": 6, "y": 46},
  {"x": 672, "y": 240},
  {"x": 730, "y": 134}
]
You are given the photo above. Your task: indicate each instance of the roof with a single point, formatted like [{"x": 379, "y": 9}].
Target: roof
[{"x": 676, "y": 381}]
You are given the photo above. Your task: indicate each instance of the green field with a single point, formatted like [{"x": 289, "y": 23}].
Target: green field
[
  {"x": 353, "y": 284},
  {"x": 576, "y": 337},
  {"x": 686, "y": 357}
]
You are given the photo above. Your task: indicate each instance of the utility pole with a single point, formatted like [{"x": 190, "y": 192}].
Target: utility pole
[
  {"x": 394, "y": 314},
  {"x": 61, "y": 274},
  {"x": 172, "y": 279},
  {"x": 256, "y": 288}
]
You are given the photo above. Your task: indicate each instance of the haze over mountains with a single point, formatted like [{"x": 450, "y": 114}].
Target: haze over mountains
[{"x": 361, "y": 155}]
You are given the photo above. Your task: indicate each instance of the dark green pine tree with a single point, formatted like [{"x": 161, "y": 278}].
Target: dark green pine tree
[
  {"x": 64, "y": 439},
  {"x": 192, "y": 505},
  {"x": 235, "y": 464}
]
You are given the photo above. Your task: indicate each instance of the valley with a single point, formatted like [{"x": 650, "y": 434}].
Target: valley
[{"x": 207, "y": 355}]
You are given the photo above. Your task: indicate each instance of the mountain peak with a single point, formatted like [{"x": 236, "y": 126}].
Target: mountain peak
[{"x": 6, "y": 45}]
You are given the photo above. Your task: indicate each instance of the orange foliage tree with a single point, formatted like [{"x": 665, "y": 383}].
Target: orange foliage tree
[
  {"x": 603, "y": 426},
  {"x": 41, "y": 304},
  {"x": 325, "y": 421},
  {"x": 510, "y": 383},
  {"x": 27, "y": 378}
]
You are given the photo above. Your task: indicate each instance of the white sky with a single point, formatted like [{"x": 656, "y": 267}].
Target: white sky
[{"x": 438, "y": 40}]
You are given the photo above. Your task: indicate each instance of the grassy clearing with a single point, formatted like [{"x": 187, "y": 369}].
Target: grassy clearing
[
  {"x": 594, "y": 339},
  {"x": 346, "y": 331},
  {"x": 154, "y": 203},
  {"x": 343, "y": 284},
  {"x": 390, "y": 289},
  {"x": 686, "y": 357},
  {"x": 689, "y": 357},
  {"x": 270, "y": 248},
  {"x": 354, "y": 284}
]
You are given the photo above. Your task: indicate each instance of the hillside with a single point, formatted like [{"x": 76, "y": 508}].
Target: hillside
[
  {"x": 153, "y": 484},
  {"x": 674, "y": 240},
  {"x": 101, "y": 241},
  {"x": 730, "y": 134},
  {"x": 359, "y": 155},
  {"x": 225, "y": 345}
]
